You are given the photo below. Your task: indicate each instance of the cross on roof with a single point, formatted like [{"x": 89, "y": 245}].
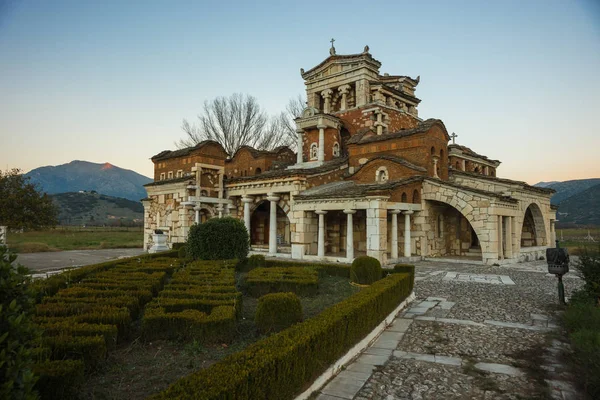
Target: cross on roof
[
  {"x": 332, "y": 40},
  {"x": 453, "y": 136}
]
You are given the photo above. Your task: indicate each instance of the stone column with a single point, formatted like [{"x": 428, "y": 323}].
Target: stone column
[
  {"x": 220, "y": 210},
  {"x": 321, "y": 237},
  {"x": 464, "y": 165},
  {"x": 221, "y": 187},
  {"x": 363, "y": 92},
  {"x": 552, "y": 233},
  {"x": 377, "y": 228},
  {"x": 349, "y": 235},
  {"x": 198, "y": 182},
  {"x": 197, "y": 209},
  {"x": 407, "y": 250},
  {"x": 500, "y": 237},
  {"x": 299, "y": 155},
  {"x": 344, "y": 89},
  {"x": 247, "y": 201},
  {"x": 379, "y": 123},
  {"x": 486, "y": 170},
  {"x": 394, "y": 252},
  {"x": 321, "y": 153},
  {"x": 326, "y": 94},
  {"x": 435, "y": 163},
  {"x": 508, "y": 234},
  {"x": 273, "y": 224}
]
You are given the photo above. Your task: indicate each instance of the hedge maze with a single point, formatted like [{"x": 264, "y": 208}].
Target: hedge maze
[
  {"x": 200, "y": 302},
  {"x": 85, "y": 313},
  {"x": 303, "y": 281}
]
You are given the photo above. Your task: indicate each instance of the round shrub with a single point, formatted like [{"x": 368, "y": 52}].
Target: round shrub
[
  {"x": 365, "y": 270},
  {"x": 277, "y": 311},
  {"x": 182, "y": 253},
  {"x": 218, "y": 239}
]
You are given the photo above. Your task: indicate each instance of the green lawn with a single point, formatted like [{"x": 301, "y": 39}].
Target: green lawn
[
  {"x": 575, "y": 239},
  {"x": 75, "y": 238}
]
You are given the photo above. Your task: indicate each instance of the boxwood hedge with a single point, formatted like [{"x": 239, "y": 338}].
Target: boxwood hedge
[
  {"x": 280, "y": 366},
  {"x": 300, "y": 280}
]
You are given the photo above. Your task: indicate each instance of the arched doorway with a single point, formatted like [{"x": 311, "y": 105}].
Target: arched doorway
[
  {"x": 453, "y": 234},
  {"x": 533, "y": 232},
  {"x": 260, "y": 226}
]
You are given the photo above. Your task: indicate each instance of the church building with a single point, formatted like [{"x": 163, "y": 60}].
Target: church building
[{"x": 369, "y": 178}]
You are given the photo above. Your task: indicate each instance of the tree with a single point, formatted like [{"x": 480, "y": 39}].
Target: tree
[
  {"x": 237, "y": 121},
  {"x": 292, "y": 111},
  {"x": 22, "y": 205},
  {"x": 18, "y": 334}
]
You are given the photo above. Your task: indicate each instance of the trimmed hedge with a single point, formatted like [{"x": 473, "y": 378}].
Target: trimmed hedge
[
  {"x": 90, "y": 349},
  {"x": 201, "y": 302},
  {"x": 280, "y": 366},
  {"x": 51, "y": 285},
  {"x": 406, "y": 269},
  {"x": 277, "y": 311},
  {"x": 58, "y": 378},
  {"x": 342, "y": 270},
  {"x": 365, "y": 270},
  {"x": 300, "y": 280},
  {"x": 69, "y": 328},
  {"x": 218, "y": 239}
]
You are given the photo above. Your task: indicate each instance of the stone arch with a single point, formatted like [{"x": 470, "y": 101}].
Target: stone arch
[
  {"x": 382, "y": 175},
  {"x": 257, "y": 171},
  {"x": 260, "y": 223},
  {"x": 533, "y": 229}
]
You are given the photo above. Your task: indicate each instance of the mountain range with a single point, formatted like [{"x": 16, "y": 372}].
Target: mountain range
[
  {"x": 578, "y": 201},
  {"x": 78, "y": 176}
]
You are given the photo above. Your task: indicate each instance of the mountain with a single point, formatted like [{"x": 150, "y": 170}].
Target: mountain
[
  {"x": 566, "y": 189},
  {"x": 105, "y": 178},
  {"x": 582, "y": 208},
  {"x": 97, "y": 209}
]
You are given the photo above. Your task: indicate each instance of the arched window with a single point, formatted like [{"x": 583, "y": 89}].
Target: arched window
[
  {"x": 203, "y": 193},
  {"x": 442, "y": 155},
  {"x": 432, "y": 151},
  {"x": 381, "y": 175},
  {"x": 416, "y": 197},
  {"x": 257, "y": 171},
  {"x": 403, "y": 198},
  {"x": 457, "y": 165},
  {"x": 476, "y": 170},
  {"x": 314, "y": 151},
  {"x": 336, "y": 149}
]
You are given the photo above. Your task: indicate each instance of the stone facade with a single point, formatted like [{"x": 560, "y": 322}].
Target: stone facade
[{"x": 370, "y": 177}]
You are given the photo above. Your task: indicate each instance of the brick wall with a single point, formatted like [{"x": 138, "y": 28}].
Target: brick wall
[{"x": 209, "y": 154}]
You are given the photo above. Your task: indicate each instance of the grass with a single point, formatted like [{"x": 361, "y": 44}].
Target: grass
[
  {"x": 138, "y": 369},
  {"x": 75, "y": 238},
  {"x": 575, "y": 239}
]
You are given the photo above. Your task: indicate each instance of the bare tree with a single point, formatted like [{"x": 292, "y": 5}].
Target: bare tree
[
  {"x": 292, "y": 111},
  {"x": 238, "y": 121}
]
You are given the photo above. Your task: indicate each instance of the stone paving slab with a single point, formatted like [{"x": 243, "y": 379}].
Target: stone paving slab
[{"x": 49, "y": 261}]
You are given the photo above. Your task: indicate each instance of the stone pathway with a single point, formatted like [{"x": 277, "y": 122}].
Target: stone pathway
[{"x": 474, "y": 332}]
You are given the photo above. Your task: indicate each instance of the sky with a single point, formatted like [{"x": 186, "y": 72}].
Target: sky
[{"x": 111, "y": 81}]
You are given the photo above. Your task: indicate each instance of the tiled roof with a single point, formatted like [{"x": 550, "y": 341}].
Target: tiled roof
[
  {"x": 283, "y": 173},
  {"x": 336, "y": 57},
  {"x": 470, "y": 152},
  {"x": 259, "y": 153},
  {"x": 351, "y": 189},
  {"x": 166, "y": 154},
  {"x": 502, "y": 180},
  {"x": 168, "y": 181},
  {"x": 473, "y": 190},
  {"x": 423, "y": 127}
]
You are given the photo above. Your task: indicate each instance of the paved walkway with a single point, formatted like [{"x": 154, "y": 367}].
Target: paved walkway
[
  {"x": 473, "y": 332},
  {"x": 53, "y": 261}
]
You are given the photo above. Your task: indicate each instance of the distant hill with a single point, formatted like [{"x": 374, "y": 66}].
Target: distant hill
[
  {"x": 566, "y": 189},
  {"x": 97, "y": 209},
  {"x": 582, "y": 208},
  {"x": 105, "y": 178}
]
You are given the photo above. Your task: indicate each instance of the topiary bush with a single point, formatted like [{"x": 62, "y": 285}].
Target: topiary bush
[
  {"x": 277, "y": 311},
  {"x": 365, "y": 270},
  {"x": 256, "y": 261},
  {"x": 218, "y": 239},
  {"x": 404, "y": 268}
]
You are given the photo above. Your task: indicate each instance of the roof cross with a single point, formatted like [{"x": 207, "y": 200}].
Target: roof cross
[
  {"x": 332, "y": 40},
  {"x": 453, "y": 136}
]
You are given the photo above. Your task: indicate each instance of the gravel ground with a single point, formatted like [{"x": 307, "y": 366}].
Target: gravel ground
[{"x": 533, "y": 292}]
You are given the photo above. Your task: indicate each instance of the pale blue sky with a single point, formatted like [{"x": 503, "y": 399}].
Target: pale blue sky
[{"x": 111, "y": 81}]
